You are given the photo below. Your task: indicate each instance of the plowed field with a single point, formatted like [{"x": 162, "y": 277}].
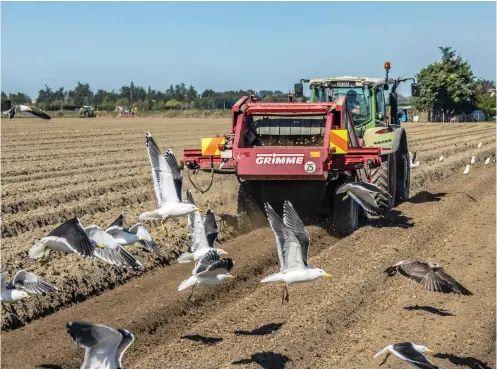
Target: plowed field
[{"x": 97, "y": 168}]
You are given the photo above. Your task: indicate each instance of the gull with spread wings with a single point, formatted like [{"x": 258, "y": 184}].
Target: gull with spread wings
[
  {"x": 292, "y": 244},
  {"x": 37, "y": 112},
  {"x": 104, "y": 346},
  {"x": 168, "y": 180},
  {"x": 430, "y": 275},
  {"x": 203, "y": 232},
  {"x": 209, "y": 270},
  {"x": 408, "y": 352},
  {"x": 22, "y": 284}
]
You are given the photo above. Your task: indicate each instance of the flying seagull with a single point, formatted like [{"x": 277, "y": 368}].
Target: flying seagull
[
  {"x": 104, "y": 346},
  {"x": 466, "y": 171},
  {"x": 167, "y": 179},
  {"x": 362, "y": 193},
  {"x": 22, "y": 284},
  {"x": 128, "y": 236},
  {"x": 209, "y": 270},
  {"x": 27, "y": 109},
  {"x": 412, "y": 160},
  {"x": 69, "y": 237},
  {"x": 431, "y": 276},
  {"x": 408, "y": 352},
  {"x": 204, "y": 233},
  {"x": 292, "y": 254},
  {"x": 109, "y": 250}
]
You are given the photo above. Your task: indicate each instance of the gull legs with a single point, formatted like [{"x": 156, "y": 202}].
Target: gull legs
[
  {"x": 385, "y": 360},
  {"x": 285, "y": 296},
  {"x": 164, "y": 229},
  {"x": 191, "y": 295}
]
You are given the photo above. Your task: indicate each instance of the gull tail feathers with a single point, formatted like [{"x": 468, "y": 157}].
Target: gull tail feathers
[
  {"x": 36, "y": 251},
  {"x": 187, "y": 283},
  {"x": 381, "y": 352},
  {"x": 185, "y": 257},
  {"x": 275, "y": 277}
]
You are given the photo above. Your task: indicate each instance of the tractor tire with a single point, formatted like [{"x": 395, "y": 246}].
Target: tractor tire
[
  {"x": 403, "y": 186},
  {"x": 345, "y": 215},
  {"x": 385, "y": 178},
  {"x": 250, "y": 214}
]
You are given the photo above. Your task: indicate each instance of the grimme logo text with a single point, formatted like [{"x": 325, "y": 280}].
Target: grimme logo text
[{"x": 279, "y": 159}]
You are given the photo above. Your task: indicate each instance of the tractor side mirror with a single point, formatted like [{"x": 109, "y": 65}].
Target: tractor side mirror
[
  {"x": 414, "y": 90},
  {"x": 385, "y": 87},
  {"x": 299, "y": 90},
  {"x": 400, "y": 114}
]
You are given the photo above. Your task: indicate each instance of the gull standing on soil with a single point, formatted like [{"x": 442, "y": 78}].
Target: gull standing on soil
[
  {"x": 167, "y": 178},
  {"x": 109, "y": 250},
  {"x": 487, "y": 161},
  {"x": 128, "y": 236},
  {"x": 104, "y": 346},
  {"x": 362, "y": 192},
  {"x": 441, "y": 158},
  {"x": 209, "y": 270},
  {"x": 479, "y": 145},
  {"x": 473, "y": 160},
  {"x": 466, "y": 171},
  {"x": 412, "y": 160},
  {"x": 204, "y": 233},
  {"x": 408, "y": 352},
  {"x": 69, "y": 237},
  {"x": 431, "y": 276},
  {"x": 22, "y": 283},
  {"x": 292, "y": 254},
  {"x": 27, "y": 109}
]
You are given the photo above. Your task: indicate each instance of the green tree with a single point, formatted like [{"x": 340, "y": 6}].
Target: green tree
[
  {"x": 447, "y": 86},
  {"x": 173, "y": 104},
  {"x": 81, "y": 94},
  {"x": 484, "y": 100},
  {"x": 19, "y": 98}
]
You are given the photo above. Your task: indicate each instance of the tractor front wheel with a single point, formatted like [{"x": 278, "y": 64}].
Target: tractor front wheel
[{"x": 385, "y": 178}]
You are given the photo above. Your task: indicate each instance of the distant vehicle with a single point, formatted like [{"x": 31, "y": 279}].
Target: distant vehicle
[{"x": 87, "y": 112}]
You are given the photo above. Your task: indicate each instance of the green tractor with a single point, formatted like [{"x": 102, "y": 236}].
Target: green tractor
[
  {"x": 377, "y": 125},
  {"x": 87, "y": 112}
]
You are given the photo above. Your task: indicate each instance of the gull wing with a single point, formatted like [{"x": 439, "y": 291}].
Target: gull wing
[
  {"x": 116, "y": 225},
  {"x": 211, "y": 264},
  {"x": 73, "y": 235},
  {"x": 99, "y": 341},
  {"x": 289, "y": 249},
  {"x": 35, "y": 111},
  {"x": 365, "y": 200},
  {"x": 438, "y": 280},
  {"x": 210, "y": 226},
  {"x": 176, "y": 172},
  {"x": 32, "y": 283},
  {"x": 293, "y": 221},
  {"x": 405, "y": 351},
  {"x": 198, "y": 236},
  {"x": 162, "y": 176},
  {"x": 127, "y": 340},
  {"x": 145, "y": 238},
  {"x": 191, "y": 216}
]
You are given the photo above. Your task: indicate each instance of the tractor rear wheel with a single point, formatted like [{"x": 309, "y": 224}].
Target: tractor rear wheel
[
  {"x": 385, "y": 178},
  {"x": 403, "y": 178},
  {"x": 345, "y": 214},
  {"x": 250, "y": 215}
]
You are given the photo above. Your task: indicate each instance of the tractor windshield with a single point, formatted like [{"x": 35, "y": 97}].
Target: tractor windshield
[{"x": 359, "y": 100}]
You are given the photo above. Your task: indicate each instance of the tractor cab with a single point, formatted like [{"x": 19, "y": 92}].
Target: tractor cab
[{"x": 365, "y": 97}]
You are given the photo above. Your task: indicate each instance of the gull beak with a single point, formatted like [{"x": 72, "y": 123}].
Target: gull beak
[
  {"x": 28, "y": 296},
  {"x": 327, "y": 275},
  {"x": 224, "y": 253},
  {"x": 198, "y": 209},
  {"x": 100, "y": 246},
  {"x": 429, "y": 351},
  {"x": 232, "y": 276}
]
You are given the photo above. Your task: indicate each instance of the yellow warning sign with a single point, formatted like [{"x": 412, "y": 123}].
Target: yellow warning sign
[
  {"x": 339, "y": 140},
  {"x": 315, "y": 154},
  {"x": 210, "y": 146}
]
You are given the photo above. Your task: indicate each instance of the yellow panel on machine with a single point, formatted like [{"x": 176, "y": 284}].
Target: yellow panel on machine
[
  {"x": 210, "y": 146},
  {"x": 339, "y": 139}
]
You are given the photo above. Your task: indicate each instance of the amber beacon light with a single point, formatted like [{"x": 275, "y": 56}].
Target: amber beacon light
[{"x": 387, "y": 65}]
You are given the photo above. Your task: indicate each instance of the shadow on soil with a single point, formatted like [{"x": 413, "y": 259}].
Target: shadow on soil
[
  {"x": 393, "y": 219},
  {"x": 267, "y": 360},
  {"x": 261, "y": 331},
  {"x": 469, "y": 362},
  {"x": 203, "y": 339},
  {"x": 425, "y": 196},
  {"x": 430, "y": 309},
  {"x": 49, "y": 366}
]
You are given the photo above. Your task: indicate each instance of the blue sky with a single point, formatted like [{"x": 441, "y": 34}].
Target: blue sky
[{"x": 220, "y": 45}]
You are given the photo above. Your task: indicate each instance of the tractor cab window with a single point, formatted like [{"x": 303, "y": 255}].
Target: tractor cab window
[
  {"x": 380, "y": 102},
  {"x": 358, "y": 100}
]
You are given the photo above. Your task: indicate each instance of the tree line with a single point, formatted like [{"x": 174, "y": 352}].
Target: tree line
[{"x": 447, "y": 86}]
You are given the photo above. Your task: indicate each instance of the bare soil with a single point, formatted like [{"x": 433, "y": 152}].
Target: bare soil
[{"x": 96, "y": 168}]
